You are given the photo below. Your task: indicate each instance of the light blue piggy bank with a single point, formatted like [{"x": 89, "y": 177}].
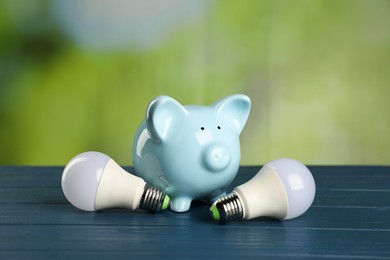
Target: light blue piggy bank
[{"x": 190, "y": 152}]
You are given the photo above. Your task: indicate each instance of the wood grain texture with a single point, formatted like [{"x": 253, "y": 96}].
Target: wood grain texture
[{"x": 350, "y": 218}]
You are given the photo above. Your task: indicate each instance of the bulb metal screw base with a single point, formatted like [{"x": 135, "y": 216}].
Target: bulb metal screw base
[
  {"x": 228, "y": 208},
  {"x": 153, "y": 199}
]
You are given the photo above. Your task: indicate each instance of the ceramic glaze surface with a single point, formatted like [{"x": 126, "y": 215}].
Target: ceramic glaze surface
[{"x": 190, "y": 152}]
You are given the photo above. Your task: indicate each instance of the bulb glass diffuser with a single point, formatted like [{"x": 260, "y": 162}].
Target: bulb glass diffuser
[
  {"x": 283, "y": 189},
  {"x": 93, "y": 181}
]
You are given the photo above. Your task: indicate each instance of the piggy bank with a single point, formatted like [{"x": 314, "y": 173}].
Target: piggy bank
[{"x": 190, "y": 152}]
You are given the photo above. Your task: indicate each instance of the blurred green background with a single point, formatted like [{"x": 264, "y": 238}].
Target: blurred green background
[{"x": 77, "y": 75}]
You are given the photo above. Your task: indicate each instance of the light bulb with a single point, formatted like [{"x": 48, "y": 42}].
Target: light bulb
[
  {"x": 283, "y": 189},
  {"x": 93, "y": 181}
]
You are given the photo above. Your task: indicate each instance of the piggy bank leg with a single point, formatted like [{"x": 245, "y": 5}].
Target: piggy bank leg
[{"x": 180, "y": 204}]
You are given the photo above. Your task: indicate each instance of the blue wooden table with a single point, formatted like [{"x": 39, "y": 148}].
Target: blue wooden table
[{"x": 350, "y": 218}]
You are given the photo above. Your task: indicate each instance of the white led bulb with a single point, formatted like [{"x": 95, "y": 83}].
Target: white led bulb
[
  {"x": 283, "y": 188},
  {"x": 93, "y": 181}
]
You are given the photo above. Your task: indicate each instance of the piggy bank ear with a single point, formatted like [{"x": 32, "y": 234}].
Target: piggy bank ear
[
  {"x": 163, "y": 117},
  {"x": 235, "y": 109}
]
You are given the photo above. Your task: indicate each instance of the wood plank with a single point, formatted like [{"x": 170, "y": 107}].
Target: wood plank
[
  {"x": 316, "y": 218},
  {"x": 324, "y": 197},
  {"x": 205, "y": 241}
]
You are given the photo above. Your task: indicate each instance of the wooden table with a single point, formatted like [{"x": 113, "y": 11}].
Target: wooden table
[{"x": 350, "y": 218}]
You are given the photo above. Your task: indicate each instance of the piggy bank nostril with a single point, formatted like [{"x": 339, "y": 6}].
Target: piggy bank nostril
[
  {"x": 216, "y": 158},
  {"x": 216, "y": 154},
  {"x": 220, "y": 155}
]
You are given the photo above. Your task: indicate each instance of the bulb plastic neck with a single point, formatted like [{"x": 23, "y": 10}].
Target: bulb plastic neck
[
  {"x": 120, "y": 189},
  {"x": 263, "y": 195},
  {"x": 227, "y": 208}
]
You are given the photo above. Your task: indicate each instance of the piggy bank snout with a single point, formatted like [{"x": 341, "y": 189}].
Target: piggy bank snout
[{"x": 216, "y": 157}]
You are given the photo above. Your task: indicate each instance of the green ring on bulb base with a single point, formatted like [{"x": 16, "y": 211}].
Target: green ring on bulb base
[
  {"x": 214, "y": 212},
  {"x": 165, "y": 202}
]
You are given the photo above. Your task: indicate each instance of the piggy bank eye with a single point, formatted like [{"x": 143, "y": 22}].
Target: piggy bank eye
[
  {"x": 219, "y": 128},
  {"x": 202, "y": 128}
]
